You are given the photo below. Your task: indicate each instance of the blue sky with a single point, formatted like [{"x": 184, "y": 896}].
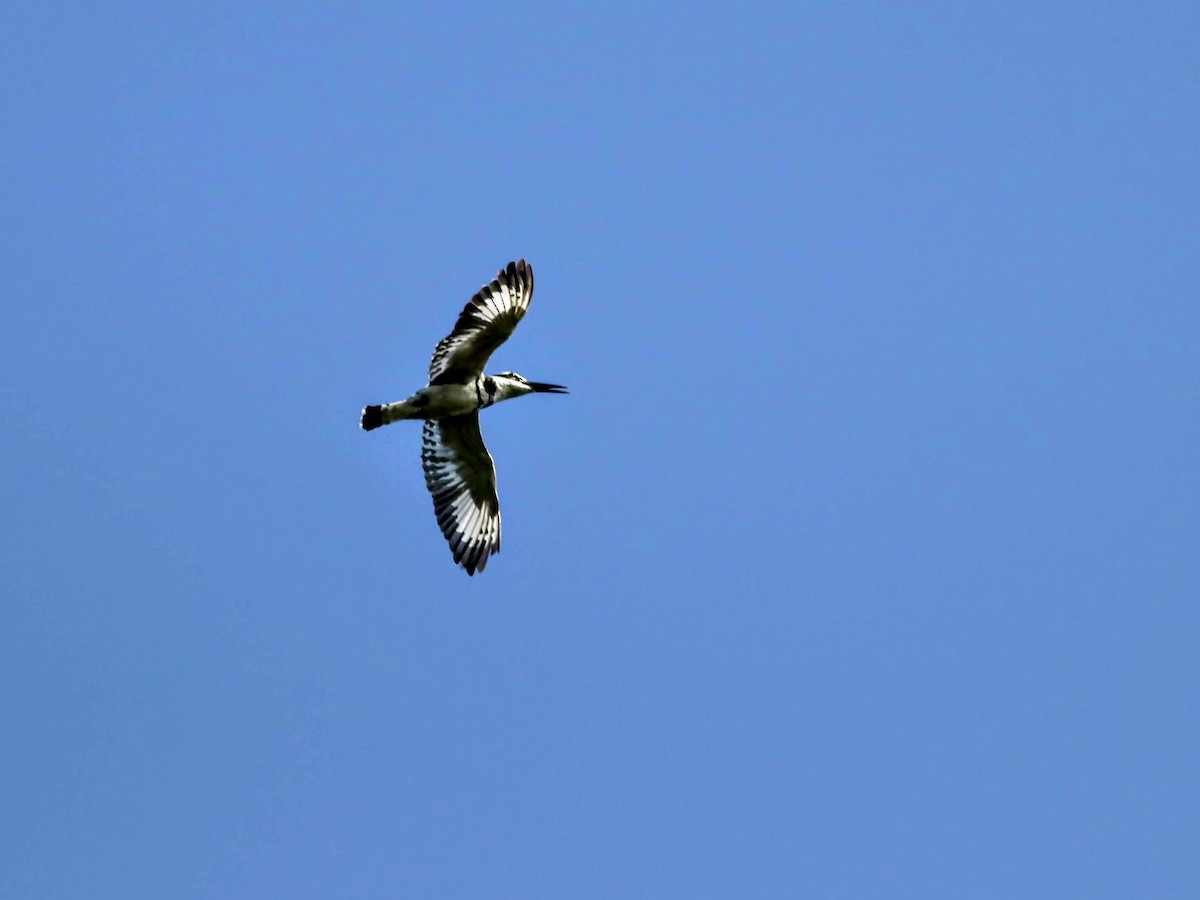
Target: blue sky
[{"x": 861, "y": 560}]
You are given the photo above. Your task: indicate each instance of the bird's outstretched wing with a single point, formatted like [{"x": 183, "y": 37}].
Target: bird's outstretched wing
[
  {"x": 484, "y": 324},
  {"x": 462, "y": 479}
]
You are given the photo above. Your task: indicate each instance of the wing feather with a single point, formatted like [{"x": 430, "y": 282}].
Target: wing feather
[
  {"x": 461, "y": 478},
  {"x": 484, "y": 324}
]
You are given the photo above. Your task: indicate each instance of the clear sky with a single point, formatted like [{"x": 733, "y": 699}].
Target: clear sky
[{"x": 861, "y": 561}]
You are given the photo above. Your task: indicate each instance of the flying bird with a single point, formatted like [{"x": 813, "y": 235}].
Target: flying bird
[{"x": 458, "y": 468}]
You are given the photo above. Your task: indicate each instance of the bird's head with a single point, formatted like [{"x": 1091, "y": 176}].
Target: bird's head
[{"x": 510, "y": 384}]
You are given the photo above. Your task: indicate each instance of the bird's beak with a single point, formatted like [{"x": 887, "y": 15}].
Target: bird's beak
[{"x": 540, "y": 387}]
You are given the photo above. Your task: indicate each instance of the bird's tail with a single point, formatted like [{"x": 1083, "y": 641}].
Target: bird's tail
[
  {"x": 375, "y": 416},
  {"x": 372, "y": 417}
]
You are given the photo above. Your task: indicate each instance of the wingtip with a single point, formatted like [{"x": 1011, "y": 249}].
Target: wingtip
[{"x": 519, "y": 270}]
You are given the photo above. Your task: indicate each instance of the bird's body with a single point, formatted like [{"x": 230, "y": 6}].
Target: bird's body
[{"x": 458, "y": 468}]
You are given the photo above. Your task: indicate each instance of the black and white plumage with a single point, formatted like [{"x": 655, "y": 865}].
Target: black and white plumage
[{"x": 459, "y": 471}]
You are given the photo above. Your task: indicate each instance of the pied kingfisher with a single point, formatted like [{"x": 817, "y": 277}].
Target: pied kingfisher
[{"x": 458, "y": 468}]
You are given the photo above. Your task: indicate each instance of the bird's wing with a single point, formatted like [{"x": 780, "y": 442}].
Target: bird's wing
[
  {"x": 462, "y": 479},
  {"x": 484, "y": 324}
]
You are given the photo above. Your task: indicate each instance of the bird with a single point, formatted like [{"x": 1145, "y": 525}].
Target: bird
[{"x": 459, "y": 471}]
